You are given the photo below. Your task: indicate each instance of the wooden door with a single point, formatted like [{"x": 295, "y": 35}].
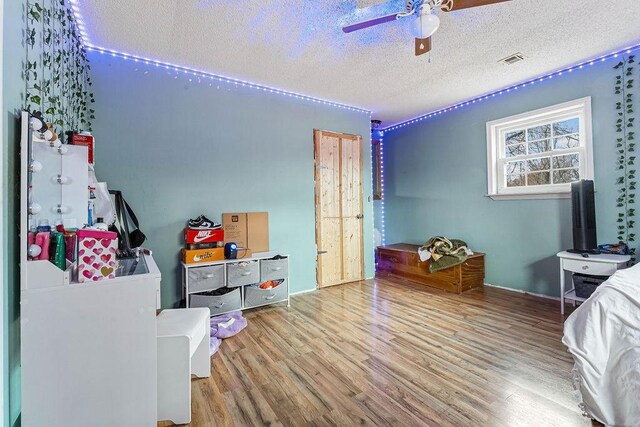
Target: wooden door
[{"x": 338, "y": 164}]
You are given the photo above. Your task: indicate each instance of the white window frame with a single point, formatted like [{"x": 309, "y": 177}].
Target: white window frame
[{"x": 496, "y": 129}]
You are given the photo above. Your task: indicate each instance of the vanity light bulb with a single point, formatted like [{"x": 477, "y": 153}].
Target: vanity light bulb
[
  {"x": 35, "y": 208},
  {"x": 47, "y": 135},
  {"x": 36, "y": 166},
  {"x": 62, "y": 209},
  {"x": 63, "y": 150},
  {"x": 34, "y": 251},
  {"x": 55, "y": 143},
  {"x": 61, "y": 179}
]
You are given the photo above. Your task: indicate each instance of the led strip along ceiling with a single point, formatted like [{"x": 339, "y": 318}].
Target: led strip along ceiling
[
  {"x": 80, "y": 24},
  {"x": 515, "y": 87}
]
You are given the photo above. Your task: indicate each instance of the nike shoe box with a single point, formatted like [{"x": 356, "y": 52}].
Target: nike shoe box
[
  {"x": 203, "y": 236},
  {"x": 204, "y": 245},
  {"x": 248, "y": 230},
  {"x": 197, "y": 256}
]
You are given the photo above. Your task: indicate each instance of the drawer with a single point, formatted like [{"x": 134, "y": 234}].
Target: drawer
[
  {"x": 586, "y": 267},
  {"x": 217, "y": 303},
  {"x": 243, "y": 273},
  {"x": 254, "y": 296},
  {"x": 274, "y": 269},
  {"x": 206, "y": 278}
]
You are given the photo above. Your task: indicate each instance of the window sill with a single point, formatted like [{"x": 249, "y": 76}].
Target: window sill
[{"x": 530, "y": 196}]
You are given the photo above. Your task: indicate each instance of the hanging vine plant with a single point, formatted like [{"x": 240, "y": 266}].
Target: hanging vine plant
[
  {"x": 625, "y": 143},
  {"x": 56, "y": 69}
]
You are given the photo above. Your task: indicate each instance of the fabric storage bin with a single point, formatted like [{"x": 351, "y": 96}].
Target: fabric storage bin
[
  {"x": 217, "y": 304},
  {"x": 243, "y": 273},
  {"x": 274, "y": 269},
  {"x": 254, "y": 296},
  {"x": 586, "y": 285},
  {"x": 206, "y": 278}
]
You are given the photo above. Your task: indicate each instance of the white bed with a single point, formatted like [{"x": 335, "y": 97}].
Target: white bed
[{"x": 603, "y": 335}]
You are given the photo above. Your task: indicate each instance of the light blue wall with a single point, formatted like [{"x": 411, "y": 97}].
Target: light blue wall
[
  {"x": 436, "y": 181},
  {"x": 179, "y": 148},
  {"x": 13, "y": 88}
]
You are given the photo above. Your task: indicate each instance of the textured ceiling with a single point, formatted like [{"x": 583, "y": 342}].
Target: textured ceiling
[{"x": 299, "y": 45}]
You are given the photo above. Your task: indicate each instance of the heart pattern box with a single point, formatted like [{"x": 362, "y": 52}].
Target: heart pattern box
[{"x": 96, "y": 255}]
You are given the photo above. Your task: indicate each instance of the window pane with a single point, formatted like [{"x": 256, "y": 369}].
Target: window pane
[
  {"x": 541, "y": 146},
  {"x": 566, "y": 126},
  {"x": 568, "y": 141},
  {"x": 516, "y": 180},
  {"x": 539, "y": 178},
  {"x": 568, "y": 161},
  {"x": 516, "y": 137},
  {"x": 565, "y": 176},
  {"x": 539, "y": 132},
  {"x": 515, "y": 150},
  {"x": 539, "y": 164},
  {"x": 514, "y": 168}
]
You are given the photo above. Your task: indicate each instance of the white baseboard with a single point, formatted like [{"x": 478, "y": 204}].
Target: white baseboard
[
  {"x": 520, "y": 291},
  {"x": 306, "y": 291}
]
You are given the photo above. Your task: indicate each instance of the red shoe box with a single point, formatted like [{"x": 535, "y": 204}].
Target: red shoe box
[{"x": 203, "y": 236}]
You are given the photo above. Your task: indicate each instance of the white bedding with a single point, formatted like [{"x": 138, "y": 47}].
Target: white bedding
[{"x": 603, "y": 335}]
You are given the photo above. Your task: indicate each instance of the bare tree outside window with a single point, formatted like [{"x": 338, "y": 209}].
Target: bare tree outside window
[{"x": 545, "y": 140}]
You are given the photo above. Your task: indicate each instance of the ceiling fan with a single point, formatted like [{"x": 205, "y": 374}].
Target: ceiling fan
[{"x": 425, "y": 22}]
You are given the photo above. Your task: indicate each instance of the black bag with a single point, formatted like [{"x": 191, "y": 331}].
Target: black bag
[{"x": 127, "y": 240}]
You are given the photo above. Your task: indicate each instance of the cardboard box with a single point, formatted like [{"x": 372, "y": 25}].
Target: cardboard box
[
  {"x": 244, "y": 254},
  {"x": 248, "y": 230},
  {"x": 203, "y": 236},
  {"x": 197, "y": 256}
]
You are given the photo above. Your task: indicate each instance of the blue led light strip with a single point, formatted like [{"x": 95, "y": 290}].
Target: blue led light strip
[
  {"x": 382, "y": 231},
  {"x": 194, "y": 72},
  {"x": 219, "y": 78},
  {"x": 515, "y": 87}
]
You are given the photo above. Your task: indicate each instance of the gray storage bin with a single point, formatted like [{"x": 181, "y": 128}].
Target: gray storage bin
[
  {"x": 254, "y": 296},
  {"x": 586, "y": 285},
  {"x": 217, "y": 303},
  {"x": 206, "y": 278},
  {"x": 274, "y": 269},
  {"x": 243, "y": 273}
]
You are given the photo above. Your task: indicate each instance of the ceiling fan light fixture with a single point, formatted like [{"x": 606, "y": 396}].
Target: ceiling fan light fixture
[{"x": 425, "y": 24}]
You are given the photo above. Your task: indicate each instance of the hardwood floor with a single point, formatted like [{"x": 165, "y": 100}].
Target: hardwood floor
[{"x": 388, "y": 352}]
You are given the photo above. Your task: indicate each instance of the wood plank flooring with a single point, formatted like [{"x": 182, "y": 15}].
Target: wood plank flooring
[{"x": 389, "y": 352}]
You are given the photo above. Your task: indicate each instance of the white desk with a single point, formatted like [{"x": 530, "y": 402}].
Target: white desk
[{"x": 594, "y": 265}]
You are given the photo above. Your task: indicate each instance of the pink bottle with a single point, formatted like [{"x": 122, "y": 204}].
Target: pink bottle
[{"x": 42, "y": 240}]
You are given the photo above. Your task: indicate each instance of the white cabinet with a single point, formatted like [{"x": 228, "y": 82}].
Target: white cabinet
[{"x": 89, "y": 353}]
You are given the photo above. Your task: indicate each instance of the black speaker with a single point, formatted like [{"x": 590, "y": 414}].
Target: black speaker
[{"x": 583, "y": 212}]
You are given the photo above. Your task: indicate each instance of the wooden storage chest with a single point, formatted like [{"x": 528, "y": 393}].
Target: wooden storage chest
[{"x": 402, "y": 259}]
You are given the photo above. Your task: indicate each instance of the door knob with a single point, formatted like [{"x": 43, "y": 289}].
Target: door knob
[{"x": 360, "y": 216}]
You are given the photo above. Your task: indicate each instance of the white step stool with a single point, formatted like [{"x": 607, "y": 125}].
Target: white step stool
[{"x": 183, "y": 337}]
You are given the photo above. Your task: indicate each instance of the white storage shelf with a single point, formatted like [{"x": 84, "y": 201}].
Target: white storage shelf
[{"x": 241, "y": 275}]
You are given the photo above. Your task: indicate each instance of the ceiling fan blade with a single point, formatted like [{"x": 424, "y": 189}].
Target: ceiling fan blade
[
  {"x": 423, "y": 46},
  {"x": 369, "y": 23},
  {"x": 451, "y": 5}
]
